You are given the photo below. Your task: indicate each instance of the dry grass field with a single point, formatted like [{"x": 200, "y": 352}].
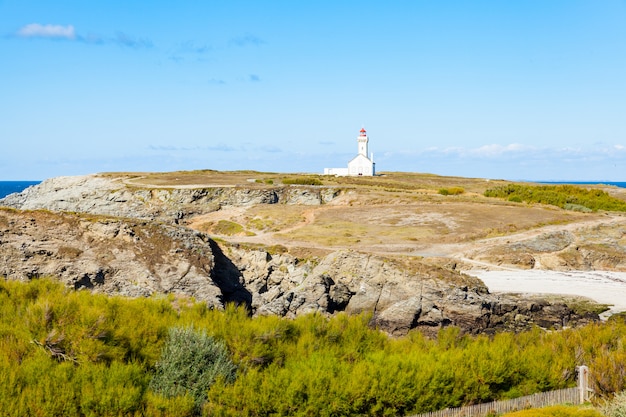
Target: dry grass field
[
  {"x": 389, "y": 181},
  {"x": 394, "y": 214},
  {"x": 403, "y": 227},
  {"x": 400, "y": 214}
]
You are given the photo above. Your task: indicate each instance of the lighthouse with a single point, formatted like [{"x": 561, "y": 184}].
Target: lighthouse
[
  {"x": 362, "y": 141},
  {"x": 361, "y": 164}
]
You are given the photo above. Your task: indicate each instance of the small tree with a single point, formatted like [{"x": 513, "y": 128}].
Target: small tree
[{"x": 190, "y": 362}]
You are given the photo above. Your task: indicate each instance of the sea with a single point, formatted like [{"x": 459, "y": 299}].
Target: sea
[
  {"x": 616, "y": 184},
  {"x": 10, "y": 187}
]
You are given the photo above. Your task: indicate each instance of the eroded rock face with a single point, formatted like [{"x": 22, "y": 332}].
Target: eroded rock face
[
  {"x": 133, "y": 258},
  {"x": 112, "y": 197},
  {"x": 107, "y": 255},
  {"x": 342, "y": 281}
]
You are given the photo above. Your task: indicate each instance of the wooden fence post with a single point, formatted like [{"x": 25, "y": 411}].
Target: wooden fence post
[{"x": 583, "y": 383}]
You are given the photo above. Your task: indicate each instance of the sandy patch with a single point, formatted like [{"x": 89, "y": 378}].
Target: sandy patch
[{"x": 605, "y": 287}]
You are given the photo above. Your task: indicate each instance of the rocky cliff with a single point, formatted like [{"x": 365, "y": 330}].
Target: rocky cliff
[
  {"x": 99, "y": 234},
  {"x": 120, "y": 198}
]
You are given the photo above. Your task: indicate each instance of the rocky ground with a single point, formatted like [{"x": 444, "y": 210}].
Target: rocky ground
[{"x": 291, "y": 250}]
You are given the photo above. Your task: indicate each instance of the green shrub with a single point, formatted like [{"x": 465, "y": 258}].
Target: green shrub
[
  {"x": 556, "y": 411},
  {"x": 577, "y": 207},
  {"x": 564, "y": 196},
  {"x": 302, "y": 181},
  {"x": 228, "y": 228},
  {"x": 451, "y": 191},
  {"x": 190, "y": 363},
  {"x": 158, "y": 406},
  {"x": 72, "y": 353}
]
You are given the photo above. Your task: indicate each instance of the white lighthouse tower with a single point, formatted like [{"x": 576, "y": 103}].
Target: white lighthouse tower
[
  {"x": 362, "y": 140},
  {"x": 359, "y": 165}
]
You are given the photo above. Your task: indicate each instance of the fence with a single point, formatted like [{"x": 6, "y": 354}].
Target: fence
[
  {"x": 577, "y": 395},
  {"x": 542, "y": 399}
]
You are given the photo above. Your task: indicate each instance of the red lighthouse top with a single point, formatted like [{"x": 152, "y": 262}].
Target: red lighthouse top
[{"x": 362, "y": 131}]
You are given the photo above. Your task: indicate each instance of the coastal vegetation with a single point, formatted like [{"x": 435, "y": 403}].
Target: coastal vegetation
[
  {"x": 303, "y": 180},
  {"x": 569, "y": 197},
  {"x": 451, "y": 191},
  {"x": 556, "y": 411},
  {"x": 191, "y": 361},
  {"x": 226, "y": 227},
  {"x": 74, "y": 353}
]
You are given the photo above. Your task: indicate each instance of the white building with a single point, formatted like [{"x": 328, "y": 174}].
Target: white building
[{"x": 360, "y": 164}]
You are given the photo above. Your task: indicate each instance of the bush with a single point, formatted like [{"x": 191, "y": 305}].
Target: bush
[
  {"x": 309, "y": 365},
  {"x": 555, "y": 411},
  {"x": 577, "y": 207},
  {"x": 568, "y": 197},
  {"x": 190, "y": 363},
  {"x": 157, "y": 406},
  {"x": 302, "y": 181},
  {"x": 451, "y": 191},
  {"x": 228, "y": 228}
]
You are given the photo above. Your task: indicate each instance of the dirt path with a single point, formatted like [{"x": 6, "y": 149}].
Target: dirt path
[
  {"x": 230, "y": 213},
  {"x": 463, "y": 251},
  {"x": 570, "y": 227},
  {"x": 237, "y": 214}
]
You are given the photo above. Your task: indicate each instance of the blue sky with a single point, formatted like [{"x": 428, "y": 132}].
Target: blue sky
[{"x": 529, "y": 89}]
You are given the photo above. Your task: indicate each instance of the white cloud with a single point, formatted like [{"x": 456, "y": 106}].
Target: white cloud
[
  {"x": 484, "y": 151},
  {"x": 512, "y": 153},
  {"x": 35, "y": 30},
  {"x": 498, "y": 150}
]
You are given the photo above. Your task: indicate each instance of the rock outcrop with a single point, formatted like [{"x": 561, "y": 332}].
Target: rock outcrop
[
  {"x": 600, "y": 247},
  {"x": 114, "y": 197},
  {"x": 113, "y": 256},
  {"x": 139, "y": 258},
  {"x": 399, "y": 297}
]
